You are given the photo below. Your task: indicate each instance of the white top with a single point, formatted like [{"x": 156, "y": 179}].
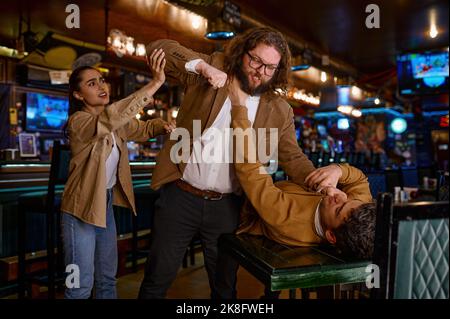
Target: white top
[
  {"x": 210, "y": 167},
  {"x": 111, "y": 165}
]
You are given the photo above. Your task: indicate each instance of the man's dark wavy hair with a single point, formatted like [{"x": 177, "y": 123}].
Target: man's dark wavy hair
[
  {"x": 247, "y": 41},
  {"x": 356, "y": 236}
]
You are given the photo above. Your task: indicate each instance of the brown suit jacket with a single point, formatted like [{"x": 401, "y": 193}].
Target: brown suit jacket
[
  {"x": 91, "y": 143},
  {"x": 284, "y": 211},
  {"x": 202, "y": 102}
]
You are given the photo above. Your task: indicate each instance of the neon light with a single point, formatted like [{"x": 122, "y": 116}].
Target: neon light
[
  {"x": 443, "y": 121},
  {"x": 365, "y": 111},
  {"x": 399, "y": 125},
  {"x": 219, "y": 35},
  {"x": 434, "y": 81},
  {"x": 435, "y": 113},
  {"x": 343, "y": 124},
  {"x": 26, "y": 165},
  {"x": 300, "y": 67}
]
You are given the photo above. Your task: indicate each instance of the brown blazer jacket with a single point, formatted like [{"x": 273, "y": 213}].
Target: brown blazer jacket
[
  {"x": 202, "y": 102},
  {"x": 91, "y": 143},
  {"x": 284, "y": 211}
]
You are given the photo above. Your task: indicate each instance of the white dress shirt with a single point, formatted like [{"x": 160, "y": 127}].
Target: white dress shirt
[{"x": 216, "y": 174}]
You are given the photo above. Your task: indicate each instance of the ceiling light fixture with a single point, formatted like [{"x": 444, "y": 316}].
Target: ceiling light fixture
[
  {"x": 300, "y": 95},
  {"x": 140, "y": 49},
  {"x": 433, "y": 31},
  {"x": 356, "y": 113},
  {"x": 196, "y": 22},
  {"x": 346, "y": 109},
  {"x": 433, "y": 28},
  {"x": 122, "y": 44},
  {"x": 219, "y": 30},
  {"x": 299, "y": 63},
  {"x": 130, "y": 46},
  {"x": 174, "y": 112}
]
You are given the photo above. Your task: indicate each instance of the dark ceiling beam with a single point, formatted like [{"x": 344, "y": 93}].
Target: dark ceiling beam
[
  {"x": 335, "y": 65},
  {"x": 338, "y": 67}
]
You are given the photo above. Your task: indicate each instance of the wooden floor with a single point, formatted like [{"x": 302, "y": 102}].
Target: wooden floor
[{"x": 191, "y": 283}]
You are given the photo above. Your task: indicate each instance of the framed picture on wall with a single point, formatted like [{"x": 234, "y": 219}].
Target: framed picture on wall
[{"x": 27, "y": 145}]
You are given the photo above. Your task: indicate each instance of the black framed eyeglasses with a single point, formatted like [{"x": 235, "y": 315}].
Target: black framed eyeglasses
[{"x": 256, "y": 63}]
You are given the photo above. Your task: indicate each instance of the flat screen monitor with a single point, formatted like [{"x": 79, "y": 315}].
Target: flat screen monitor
[
  {"x": 46, "y": 113},
  {"x": 423, "y": 73}
]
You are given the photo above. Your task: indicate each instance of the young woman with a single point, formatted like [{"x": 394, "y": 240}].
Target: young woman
[{"x": 99, "y": 174}]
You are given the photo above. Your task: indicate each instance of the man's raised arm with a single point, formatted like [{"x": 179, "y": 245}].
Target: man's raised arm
[{"x": 187, "y": 66}]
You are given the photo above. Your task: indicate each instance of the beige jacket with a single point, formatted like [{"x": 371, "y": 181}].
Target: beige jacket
[
  {"x": 202, "y": 102},
  {"x": 91, "y": 143},
  {"x": 284, "y": 211}
]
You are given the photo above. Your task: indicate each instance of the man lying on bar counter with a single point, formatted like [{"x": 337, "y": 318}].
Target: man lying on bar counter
[{"x": 294, "y": 215}]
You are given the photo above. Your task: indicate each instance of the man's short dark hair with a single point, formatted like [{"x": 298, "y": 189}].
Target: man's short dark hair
[{"x": 356, "y": 236}]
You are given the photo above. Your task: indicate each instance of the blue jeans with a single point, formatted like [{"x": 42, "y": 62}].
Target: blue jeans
[{"x": 94, "y": 250}]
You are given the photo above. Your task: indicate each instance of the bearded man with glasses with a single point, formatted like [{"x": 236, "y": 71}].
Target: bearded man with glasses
[{"x": 205, "y": 198}]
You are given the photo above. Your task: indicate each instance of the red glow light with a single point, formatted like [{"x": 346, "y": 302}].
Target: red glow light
[{"x": 444, "y": 121}]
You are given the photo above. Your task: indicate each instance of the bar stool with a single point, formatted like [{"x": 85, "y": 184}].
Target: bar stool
[
  {"x": 442, "y": 186},
  {"x": 145, "y": 198},
  {"x": 190, "y": 252},
  {"x": 45, "y": 202},
  {"x": 411, "y": 249}
]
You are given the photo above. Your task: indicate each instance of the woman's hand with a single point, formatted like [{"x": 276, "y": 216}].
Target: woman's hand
[
  {"x": 156, "y": 63},
  {"x": 324, "y": 177},
  {"x": 170, "y": 127}
]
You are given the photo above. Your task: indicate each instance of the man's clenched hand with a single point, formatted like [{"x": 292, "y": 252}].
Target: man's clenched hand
[{"x": 214, "y": 76}]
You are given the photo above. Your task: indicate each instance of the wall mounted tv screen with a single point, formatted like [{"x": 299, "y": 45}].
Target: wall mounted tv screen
[
  {"x": 423, "y": 73},
  {"x": 46, "y": 113}
]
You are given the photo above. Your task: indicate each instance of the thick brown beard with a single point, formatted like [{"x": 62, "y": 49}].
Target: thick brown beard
[{"x": 245, "y": 85}]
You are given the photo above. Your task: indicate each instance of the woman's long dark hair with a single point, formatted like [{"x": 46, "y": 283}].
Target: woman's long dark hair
[{"x": 75, "y": 105}]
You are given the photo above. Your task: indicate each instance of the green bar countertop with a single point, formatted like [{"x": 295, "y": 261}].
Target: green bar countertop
[{"x": 286, "y": 267}]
